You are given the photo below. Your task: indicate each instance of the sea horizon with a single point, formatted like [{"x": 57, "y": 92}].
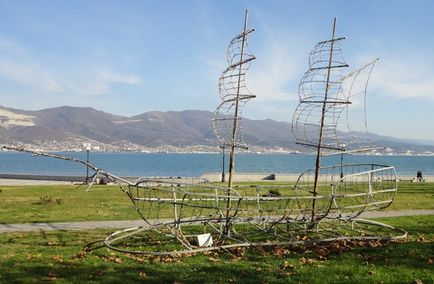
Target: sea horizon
[{"x": 197, "y": 164}]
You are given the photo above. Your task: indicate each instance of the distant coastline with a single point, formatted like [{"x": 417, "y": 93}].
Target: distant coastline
[
  {"x": 188, "y": 131},
  {"x": 199, "y": 149}
]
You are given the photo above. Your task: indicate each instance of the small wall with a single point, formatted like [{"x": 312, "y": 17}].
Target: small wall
[
  {"x": 250, "y": 177},
  {"x": 283, "y": 177}
]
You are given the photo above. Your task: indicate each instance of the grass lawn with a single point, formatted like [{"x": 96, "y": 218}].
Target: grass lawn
[
  {"x": 414, "y": 195},
  {"x": 59, "y": 256},
  {"x": 22, "y": 204}
]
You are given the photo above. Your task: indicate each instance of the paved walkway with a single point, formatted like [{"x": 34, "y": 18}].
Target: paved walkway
[
  {"x": 21, "y": 182},
  {"x": 27, "y": 227}
]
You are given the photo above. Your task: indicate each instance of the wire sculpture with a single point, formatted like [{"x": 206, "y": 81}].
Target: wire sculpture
[
  {"x": 345, "y": 123},
  {"x": 327, "y": 112},
  {"x": 234, "y": 94},
  {"x": 233, "y": 91},
  {"x": 227, "y": 120},
  {"x": 184, "y": 216}
]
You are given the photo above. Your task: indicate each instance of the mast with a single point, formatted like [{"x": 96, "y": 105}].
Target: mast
[
  {"x": 234, "y": 127},
  {"x": 227, "y": 120},
  {"x": 235, "y": 121},
  {"x": 322, "y": 119},
  {"x": 318, "y": 154}
]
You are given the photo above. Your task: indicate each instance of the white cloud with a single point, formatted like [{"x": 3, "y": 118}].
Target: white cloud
[
  {"x": 17, "y": 66},
  {"x": 99, "y": 82},
  {"x": 278, "y": 68},
  {"x": 31, "y": 75},
  {"x": 91, "y": 82},
  {"x": 128, "y": 79},
  {"x": 21, "y": 66},
  {"x": 404, "y": 78},
  {"x": 8, "y": 44},
  {"x": 271, "y": 75},
  {"x": 274, "y": 76}
]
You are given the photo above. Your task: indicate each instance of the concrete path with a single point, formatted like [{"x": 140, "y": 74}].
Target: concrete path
[
  {"x": 87, "y": 225},
  {"x": 21, "y": 182},
  {"x": 27, "y": 227}
]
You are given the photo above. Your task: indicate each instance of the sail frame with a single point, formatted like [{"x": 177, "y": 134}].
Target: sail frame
[
  {"x": 338, "y": 130},
  {"x": 233, "y": 92}
]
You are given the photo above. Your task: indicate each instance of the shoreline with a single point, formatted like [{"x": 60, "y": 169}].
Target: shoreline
[
  {"x": 217, "y": 152},
  {"x": 173, "y": 150},
  {"x": 29, "y": 180}
]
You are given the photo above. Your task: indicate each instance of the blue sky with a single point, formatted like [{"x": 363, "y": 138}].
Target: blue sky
[{"x": 129, "y": 57}]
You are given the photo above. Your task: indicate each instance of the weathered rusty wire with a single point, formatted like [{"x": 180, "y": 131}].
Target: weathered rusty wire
[{"x": 172, "y": 208}]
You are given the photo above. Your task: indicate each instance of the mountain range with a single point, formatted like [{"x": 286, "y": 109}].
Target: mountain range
[{"x": 153, "y": 129}]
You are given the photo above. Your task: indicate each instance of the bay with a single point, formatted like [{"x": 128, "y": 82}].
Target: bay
[{"x": 194, "y": 165}]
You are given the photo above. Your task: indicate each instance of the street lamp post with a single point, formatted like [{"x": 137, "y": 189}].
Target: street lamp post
[
  {"x": 87, "y": 167},
  {"x": 223, "y": 163},
  {"x": 342, "y": 160},
  {"x": 87, "y": 146}
]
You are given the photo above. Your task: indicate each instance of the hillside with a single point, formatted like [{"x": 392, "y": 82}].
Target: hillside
[{"x": 182, "y": 129}]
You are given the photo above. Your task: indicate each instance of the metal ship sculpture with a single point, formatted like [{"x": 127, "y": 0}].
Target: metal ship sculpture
[{"x": 183, "y": 216}]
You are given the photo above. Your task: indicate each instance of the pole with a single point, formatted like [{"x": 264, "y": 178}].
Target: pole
[
  {"x": 234, "y": 129},
  {"x": 318, "y": 154},
  {"x": 87, "y": 167},
  {"x": 223, "y": 163},
  {"x": 235, "y": 122}
]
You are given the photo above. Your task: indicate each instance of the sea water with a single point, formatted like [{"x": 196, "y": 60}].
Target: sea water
[{"x": 194, "y": 165}]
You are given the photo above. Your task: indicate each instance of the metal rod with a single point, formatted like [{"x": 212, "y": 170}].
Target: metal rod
[
  {"x": 318, "y": 155},
  {"x": 88, "y": 164},
  {"x": 234, "y": 129},
  {"x": 235, "y": 120}
]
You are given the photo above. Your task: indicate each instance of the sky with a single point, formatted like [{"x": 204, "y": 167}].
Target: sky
[{"x": 130, "y": 57}]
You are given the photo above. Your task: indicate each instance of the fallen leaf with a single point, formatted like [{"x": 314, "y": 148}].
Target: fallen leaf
[
  {"x": 304, "y": 261},
  {"x": 286, "y": 266},
  {"x": 53, "y": 275},
  {"x": 212, "y": 259},
  {"x": 80, "y": 255},
  {"x": 112, "y": 258},
  {"x": 58, "y": 258},
  {"x": 117, "y": 260}
]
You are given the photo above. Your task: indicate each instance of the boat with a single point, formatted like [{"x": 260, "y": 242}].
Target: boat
[{"x": 185, "y": 216}]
